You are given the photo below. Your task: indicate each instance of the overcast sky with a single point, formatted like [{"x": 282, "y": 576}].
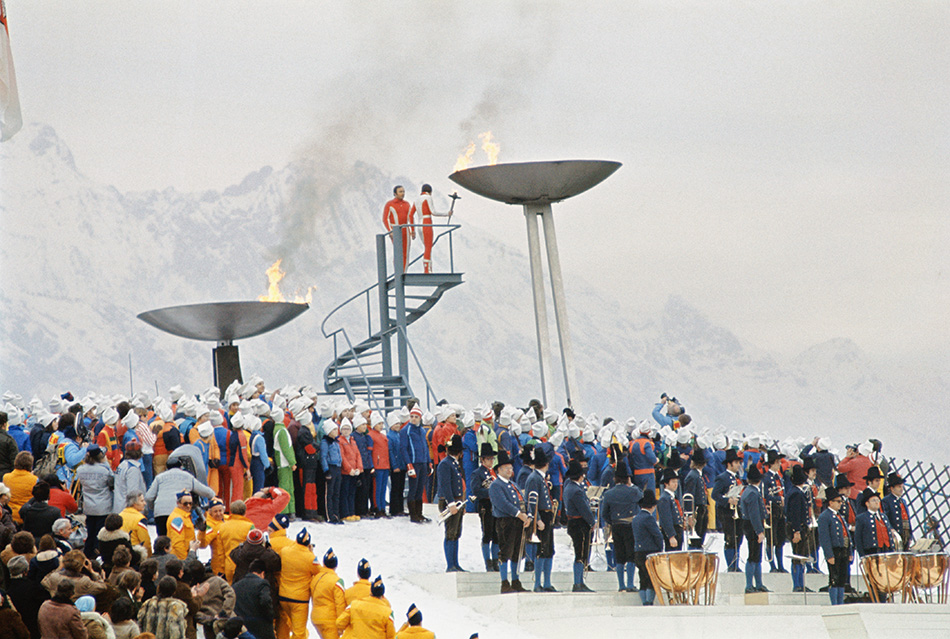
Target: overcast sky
[{"x": 785, "y": 163}]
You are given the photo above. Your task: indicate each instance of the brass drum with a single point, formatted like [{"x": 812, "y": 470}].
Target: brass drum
[
  {"x": 931, "y": 571},
  {"x": 888, "y": 573},
  {"x": 680, "y": 575}
]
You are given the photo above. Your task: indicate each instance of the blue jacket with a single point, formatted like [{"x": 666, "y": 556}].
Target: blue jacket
[
  {"x": 832, "y": 532},
  {"x": 865, "y": 533},
  {"x": 258, "y": 449},
  {"x": 695, "y": 486},
  {"x": 449, "y": 480},
  {"x": 715, "y": 465},
  {"x": 750, "y": 458},
  {"x": 891, "y": 507},
  {"x": 365, "y": 443},
  {"x": 477, "y": 484},
  {"x": 620, "y": 502},
  {"x": 506, "y": 499},
  {"x": 221, "y": 436},
  {"x": 796, "y": 510},
  {"x": 660, "y": 417},
  {"x": 669, "y": 516},
  {"x": 595, "y": 468},
  {"x": 73, "y": 453},
  {"x": 773, "y": 490},
  {"x": 20, "y": 436},
  {"x": 397, "y": 456},
  {"x": 415, "y": 444},
  {"x": 724, "y": 482},
  {"x": 824, "y": 463},
  {"x": 536, "y": 482},
  {"x": 642, "y": 460},
  {"x": 557, "y": 468},
  {"x": 521, "y": 476},
  {"x": 330, "y": 454},
  {"x": 753, "y": 507},
  {"x": 646, "y": 533},
  {"x": 576, "y": 504}
]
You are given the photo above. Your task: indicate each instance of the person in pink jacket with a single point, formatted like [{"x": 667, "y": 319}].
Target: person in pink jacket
[{"x": 352, "y": 468}]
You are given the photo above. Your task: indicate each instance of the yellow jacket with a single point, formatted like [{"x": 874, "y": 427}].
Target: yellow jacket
[
  {"x": 181, "y": 531},
  {"x": 361, "y": 589},
  {"x": 329, "y": 601},
  {"x": 296, "y": 570},
  {"x": 20, "y": 483},
  {"x": 210, "y": 537},
  {"x": 136, "y": 524},
  {"x": 232, "y": 533},
  {"x": 414, "y": 632},
  {"x": 367, "y": 619},
  {"x": 279, "y": 541}
]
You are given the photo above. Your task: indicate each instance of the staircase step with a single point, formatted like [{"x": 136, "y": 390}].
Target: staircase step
[{"x": 379, "y": 380}]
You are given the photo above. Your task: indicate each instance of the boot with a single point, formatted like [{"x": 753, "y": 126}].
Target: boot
[
  {"x": 528, "y": 565},
  {"x": 494, "y": 565},
  {"x": 455, "y": 556},
  {"x": 414, "y": 515},
  {"x": 506, "y": 587},
  {"x": 517, "y": 587},
  {"x": 620, "y": 577},
  {"x": 422, "y": 518},
  {"x": 447, "y": 549}
]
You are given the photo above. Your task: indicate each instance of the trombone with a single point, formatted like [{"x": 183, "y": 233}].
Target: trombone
[
  {"x": 689, "y": 510},
  {"x": 532, "y": 522}
]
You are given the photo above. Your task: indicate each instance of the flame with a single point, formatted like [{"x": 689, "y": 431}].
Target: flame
[
  {"x": 274, "y": 275},
  {"x": 465, "y": 159},
  {"x": 490, "y": 147}
]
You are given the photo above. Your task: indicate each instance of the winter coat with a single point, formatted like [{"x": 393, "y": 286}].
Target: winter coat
[
  {"x": 136, "y": 525},
  {"x": 367, "y": 619},
  {"x": 63, "y": 501},
  {"x": 262, "y": 510},
  {"x": 232, "y": 534},
  {"x": 126, "y": 630},
  {"x": 162, "y": 495},
  {"x": 364, "y": 441},
  {"x": 397, "y": 455},
  {"x": 20, "y": 483},
  {"x": 329, "y": 602},
  {"x": 164, "y": 618},
  {"x": 330, "y": 454},
  {"x": 109, "y": 540},
  {"x": 361, "y": 589},
  {"x": 253, "y": 603},
  {"x": 38, "y": 518},
  {"x": 8, "y": 451},
  {"x": 128, "y": 479},
  {"x": 83, "y": 583},
  {"x": 243, "y": 555},
  {"x": 415, "y": 632},
  {"x": 43, "y": 564},
  {"x": 96, "y": 626},
  {"x": 13, "y": 625},
  {"x": 60, "y": 620},
  {"x": 97, "y": 481},
  {"x": 27, "y": 596},
  {"x": 352, "y": 461},
  {"x": 218, "y": 597},
  {"x": 380, "y": 450},
  {"x": 296, "y": 570},
  {"x": 181, "y": 530}
]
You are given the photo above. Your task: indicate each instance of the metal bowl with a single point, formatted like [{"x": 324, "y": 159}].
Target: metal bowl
[
  {"x": 535, "y": 182},
  {"x": 222, "y": 321}
]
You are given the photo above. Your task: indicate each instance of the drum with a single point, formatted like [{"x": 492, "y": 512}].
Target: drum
[
  {"x": 679, "y": 575},
  {"x": 931, "y": 571},
  {"x": 888, "y": 573}
]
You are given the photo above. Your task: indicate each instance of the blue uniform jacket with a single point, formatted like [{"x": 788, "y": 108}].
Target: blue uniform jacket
[
  {"x": 753, "y": 508},
  {"x": 669, "y": 515},
  {"x": 892, "y": 510},
  {"x": 521, "y": 477},
  {"x": 596, "y": 467},
  {"x": 536, "y": 483},
  {"x": 646, "y": 533},
  {"x": 642, "y": 460},
  {"x": 824, "y": 463},
  {"x": 832, "y": 532},
  {"x": 724, "y": 482},
  {"x": 506, "y": 499},
  {"x": 796, "y": 510},
  {"x": 695, "y": 486},
  {"x": 576, "y": 503},
  {"x": 773, "y": 490},
  {"x": 620, "y": 502},
  {"x": 449, "y": 480},
  {"x": 397, "y": 456},
  {"x": 477, "y": 487},
  {"x": 865, "y": 532}
]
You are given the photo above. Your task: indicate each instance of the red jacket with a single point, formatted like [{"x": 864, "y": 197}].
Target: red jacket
[
  {"x": 856, "y": 468},
  {"x": 262, "y": 510},
  {"x": 380, "y": 450},
  {"x": 350, "y": 453},
  {"x": 62, "y": 500}
]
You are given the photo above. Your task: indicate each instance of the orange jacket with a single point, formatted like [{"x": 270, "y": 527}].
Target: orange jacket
[
  {"x": 134, "y": 523},
  {"x": 109, "y": 443},
  {"x": 350, "y": 453},
  {"x": 181, "y": 531},
  {"x": 380, "y": 450},
  {"x": 232, "y": 533},
  {"x": 278, "y": 540},
  {"x": 414, "y": 632},
  {"x": 20, "y": 483}
]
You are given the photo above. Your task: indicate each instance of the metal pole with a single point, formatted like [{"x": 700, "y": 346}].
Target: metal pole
[
  {"x": 381, "y": 274},
  {"x": 400, "y": 290},
  {"x": 537, "y": 288},
  {"x": 560, "y": 304}
]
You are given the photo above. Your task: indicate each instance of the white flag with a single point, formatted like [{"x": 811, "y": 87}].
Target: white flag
[{"x": 10, "y": 118}]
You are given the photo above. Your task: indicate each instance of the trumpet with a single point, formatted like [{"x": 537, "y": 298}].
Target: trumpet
[{"x": 459, "y": 505}]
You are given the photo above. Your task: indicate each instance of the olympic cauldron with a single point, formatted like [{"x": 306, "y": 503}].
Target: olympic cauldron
[{"x": 222, "y": 323}]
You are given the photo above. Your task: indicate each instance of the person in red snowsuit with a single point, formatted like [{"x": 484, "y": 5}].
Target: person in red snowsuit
[
  {"x": 427, "y": 210},
  {"x": 399, "y": 211}
]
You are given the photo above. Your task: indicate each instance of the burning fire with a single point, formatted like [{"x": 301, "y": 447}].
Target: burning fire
[
  {"x": 489, "y": 146},
  {"x": 274, "y": 275}
]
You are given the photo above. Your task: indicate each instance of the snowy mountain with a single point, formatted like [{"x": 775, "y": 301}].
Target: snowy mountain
[{"x": 80, "y": 260}]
